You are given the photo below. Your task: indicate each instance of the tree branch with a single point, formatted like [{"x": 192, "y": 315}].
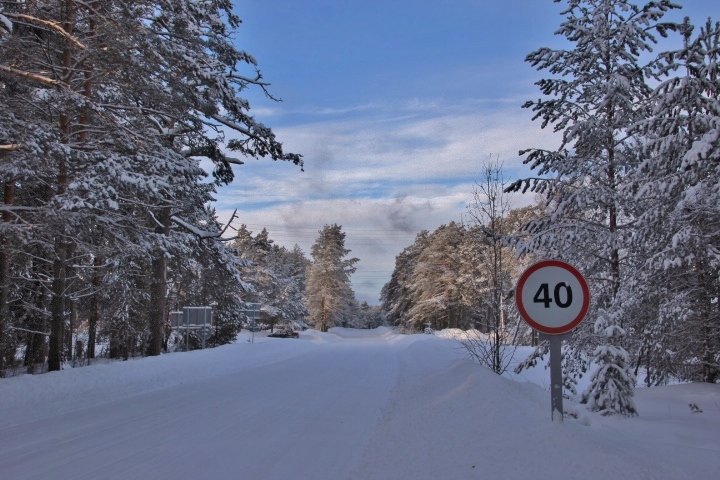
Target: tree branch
[
  {"x": 30, "y": 331},
  {"x": 54, "y": 26},
  {"x": 203, "y": 234},
  {"x": 32, "y": 76},
  {"x": 9, "y": 147}
]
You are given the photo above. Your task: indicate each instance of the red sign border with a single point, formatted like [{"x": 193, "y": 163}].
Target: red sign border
[{"x": 524, "y": 314}]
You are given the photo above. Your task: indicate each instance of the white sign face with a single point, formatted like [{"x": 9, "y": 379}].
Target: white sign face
[{"x": 552, "y": 296}]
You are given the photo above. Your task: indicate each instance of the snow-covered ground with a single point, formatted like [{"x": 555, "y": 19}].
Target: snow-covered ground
[{"x": 342, "y": 405}]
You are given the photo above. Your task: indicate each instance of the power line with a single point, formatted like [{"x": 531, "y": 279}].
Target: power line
[{"x": 315, "y": 228}]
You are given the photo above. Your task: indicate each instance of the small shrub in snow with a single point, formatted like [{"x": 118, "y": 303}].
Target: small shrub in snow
[{"x": 611, "y": 388}]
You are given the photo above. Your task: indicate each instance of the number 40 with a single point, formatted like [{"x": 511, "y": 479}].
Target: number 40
[{"x": 543, "y": 295}]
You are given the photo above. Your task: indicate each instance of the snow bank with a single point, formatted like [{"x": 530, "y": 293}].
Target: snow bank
[
  {"x": 362, "y": 333},
  {"x": 464, "y": 422},
  {"x": 29, "y": 397}
]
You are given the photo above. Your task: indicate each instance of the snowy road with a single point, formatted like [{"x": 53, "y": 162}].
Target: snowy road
[
  {"x": 344, "y": 405},
  {"x": 263, "y": 422}
]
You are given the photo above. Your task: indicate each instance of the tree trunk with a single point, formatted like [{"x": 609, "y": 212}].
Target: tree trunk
[
  {"x": 59, "y": 283},
  {"x": 158, "y": 289},
  {"x": 35, "y": 351},
  {"x": 94, "y": 309},
  {"x": 612, "y": 208},
  {"x": 9, "y": 199},
  {"x": 709, "y": 327},
  {"x": 72, "y": 325},
  {"x": 57, "y": 308}
]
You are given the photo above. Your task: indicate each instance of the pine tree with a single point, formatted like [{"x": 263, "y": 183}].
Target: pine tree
[
  {"x": 611, "y": 385},
  {"x": 291, "y": 268},
  {"x": 276, "y": 276},
  {"x": 395, "y": 295},
  {"x": 595, "y": 97},
  {"x": 330, "y": 297},
  {"x": 677, "y": 284},
  {"x": 436, "y": 287}
]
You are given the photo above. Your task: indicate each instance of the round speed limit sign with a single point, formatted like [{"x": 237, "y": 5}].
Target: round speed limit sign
[{"x": 552, "y": 297}]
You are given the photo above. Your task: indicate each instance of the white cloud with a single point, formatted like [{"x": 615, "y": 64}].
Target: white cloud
[{"x": 383, "y": 173}]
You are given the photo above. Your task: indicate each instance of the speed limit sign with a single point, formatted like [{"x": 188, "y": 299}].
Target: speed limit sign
[{"x": 552, "y": 297}]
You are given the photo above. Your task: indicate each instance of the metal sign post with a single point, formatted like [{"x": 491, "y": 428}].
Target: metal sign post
[
  {"x": 553, "y": 298},
  {"x": 556, "y": 379},
  {"x": 192, "y": 319},
  {"x": 253, "y": 314}
]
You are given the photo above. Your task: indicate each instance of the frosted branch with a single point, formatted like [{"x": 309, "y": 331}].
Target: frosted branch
[{"x": 47, "y": 334}]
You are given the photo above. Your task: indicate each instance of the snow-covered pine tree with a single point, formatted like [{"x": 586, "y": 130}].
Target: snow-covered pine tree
[
  {"x": 395, "y": 295},
  {"x": 611, "y": 384},
  {"x": 330, "y": 297},
  {"x": 211, "y": 274},
  {"x": 439, "y": 292},
  {"x": 678, "y": 227},
  {"x": 46, "y": 79},
  {"x": 276, "y": 275},
  {"x": 290, "y": 267},
  {"x": 256, "y": 252},
  {"x": 192, "y": 44},
  {"x": 596, "y": 94}
]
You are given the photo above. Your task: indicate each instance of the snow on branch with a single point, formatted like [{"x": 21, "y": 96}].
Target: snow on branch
[
  {"x": 204, "y": 233},
  {"x": 193, "y": 229},
  {"x": 47, "y": 334},
  {"x": 5, "y": 25},
  {"x": 211, "y": 152},
  {"x": 239, "y": 128},
  {"x": 155, "y": 219}
]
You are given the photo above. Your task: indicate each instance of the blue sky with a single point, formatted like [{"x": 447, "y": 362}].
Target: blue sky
[{"x": 395, "y": 106}]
